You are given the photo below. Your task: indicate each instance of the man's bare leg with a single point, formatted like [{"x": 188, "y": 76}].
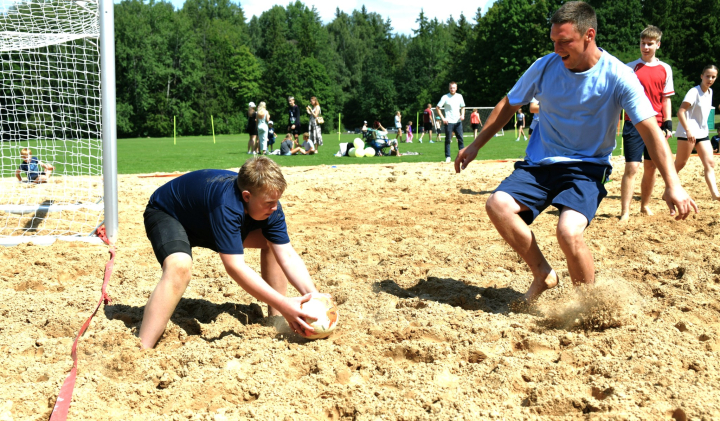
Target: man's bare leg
[
  {"x": 503, "y": 211},
  {"x": 627, "y": 189},
  {"x": 270, "y": 269},
  {"x": 646, "y": 187},
  {"x": 570, "y": 229},
  {"x": 177, "y": 269}
]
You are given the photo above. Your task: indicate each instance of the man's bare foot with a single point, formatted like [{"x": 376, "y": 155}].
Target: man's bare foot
[
  {"x": 624, "y": 217},
  {"x": 646, "y": 210},
  {"x": 540, "y": 285}
]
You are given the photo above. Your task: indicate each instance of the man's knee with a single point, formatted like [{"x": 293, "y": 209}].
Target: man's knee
[
  {"x": 648, "y": 165},
  {"x": 570, "y": 230},
  {"x": 631, "y": 168},
  {"x": 500, "y": 202}
]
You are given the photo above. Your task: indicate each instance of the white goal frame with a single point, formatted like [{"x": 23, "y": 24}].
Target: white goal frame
[{"x": 34, "y": 41}]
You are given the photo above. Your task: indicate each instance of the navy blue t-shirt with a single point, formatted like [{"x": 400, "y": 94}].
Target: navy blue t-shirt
[
  {"x": 32, "y": 168},
  {"x": 208, "y": 204}
]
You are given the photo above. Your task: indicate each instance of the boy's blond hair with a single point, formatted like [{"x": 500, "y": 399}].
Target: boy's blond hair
[
  {"x": 25, "y": 151},
  {"x": 651, "y": 32},
  {"x": 306, "y": 135},
  {"x": 261, "y": 174}
]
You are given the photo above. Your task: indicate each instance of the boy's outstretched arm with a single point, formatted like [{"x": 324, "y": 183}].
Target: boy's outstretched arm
[
  {"x": 500, "y": 115},
  {"x": 256, "y": 286},
  {"x": 17, "y": 174},
  {"x": 677, "y": 199}
]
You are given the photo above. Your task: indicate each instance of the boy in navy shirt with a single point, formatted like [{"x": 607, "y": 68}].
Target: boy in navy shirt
[
  {"x": 271, "y": 135},
  {"x": 37, "y": 172},
  {"x": 582, "y": 90},
  {"x": 225, "y": 212}
]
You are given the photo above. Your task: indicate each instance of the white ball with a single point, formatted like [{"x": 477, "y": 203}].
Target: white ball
[
  {"x": 359, "y": 152},
  {"x": 358, "y": 143},
  {"x": 369, "y": 152},
  {"x": 351, "y": 152},
  {"x": 325, "y": 314}
]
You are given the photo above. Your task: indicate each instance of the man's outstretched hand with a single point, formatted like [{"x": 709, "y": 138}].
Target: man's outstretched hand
[
  {"x": 465, "y": 157},
  {"x": 679, "y": 202}
]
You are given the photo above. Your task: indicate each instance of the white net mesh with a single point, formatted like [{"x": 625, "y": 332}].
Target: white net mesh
[{"x": 50, "y": 103}]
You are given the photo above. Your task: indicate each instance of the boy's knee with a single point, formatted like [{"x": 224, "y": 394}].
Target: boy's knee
[
  {"x": 499, "y": 202},
  {"x": 178, "y": 266},
  {"x": 631, "y": 168}
]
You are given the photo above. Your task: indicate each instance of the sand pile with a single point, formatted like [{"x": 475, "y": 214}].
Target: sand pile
[{"x": 426, "y": 289}]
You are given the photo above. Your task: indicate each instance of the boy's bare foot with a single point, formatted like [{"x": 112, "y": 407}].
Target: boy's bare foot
[
  {"x": 540, "y": 285},
  {"x": 646, "y": 210},
  {"x": 624, "y": 217}
]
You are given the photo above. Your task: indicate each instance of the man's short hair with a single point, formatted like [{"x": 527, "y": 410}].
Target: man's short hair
[
  {"x": 261, "y": 174},
  {"x": 291, "y": 97},
  {"x": 452, "y": 83},
  {"x": 651, "y": 32},
  {"x": 579, "y": 13}
]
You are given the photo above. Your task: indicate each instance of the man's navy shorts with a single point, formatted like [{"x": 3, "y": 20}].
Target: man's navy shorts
[
  {"x": 166, "y": 234},
  {"x": 576, "y": 185},
  {"x": 633, "y": 144}
]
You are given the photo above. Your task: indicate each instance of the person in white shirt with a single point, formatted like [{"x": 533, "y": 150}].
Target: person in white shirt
[
  {"x": 454, "y": 106},
  {"x": 693, "y": 131}
]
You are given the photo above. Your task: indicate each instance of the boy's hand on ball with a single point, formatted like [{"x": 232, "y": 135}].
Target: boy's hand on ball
[{"x": 295, "y": 316}]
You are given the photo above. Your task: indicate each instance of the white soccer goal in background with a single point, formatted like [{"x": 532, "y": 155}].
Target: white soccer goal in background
[
  {"x": 467, "y": 129},
  {"x": 57, "y": 98}
]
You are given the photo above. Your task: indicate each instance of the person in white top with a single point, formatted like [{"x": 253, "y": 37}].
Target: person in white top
[
  {"x": 454, "y": 106},
  {"x": 693, "y": 130}
]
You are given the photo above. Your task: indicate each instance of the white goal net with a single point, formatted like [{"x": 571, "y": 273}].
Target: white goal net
[
  {"x": 51, "y": 134},
  {"x": 483, "y": 112}
]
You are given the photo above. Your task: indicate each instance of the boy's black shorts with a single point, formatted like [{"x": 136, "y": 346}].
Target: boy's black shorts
[{"x": 166, "y": 234}]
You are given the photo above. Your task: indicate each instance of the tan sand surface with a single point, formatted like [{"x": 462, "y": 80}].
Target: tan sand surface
[{"x": 428, "y": 331}]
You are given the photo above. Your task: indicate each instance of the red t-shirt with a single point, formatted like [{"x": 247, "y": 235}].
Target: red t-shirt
[
  {"x": 427, "y": 115},
  {"x": 474, "y": 118},
  {"x": 657, "y": 80}
]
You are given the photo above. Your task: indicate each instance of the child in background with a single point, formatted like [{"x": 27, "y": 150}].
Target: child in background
[
  {"x": 289, "y": 146},
  {"x": 438, "y": 126},
  {"x": 693, "y": 130},
  {"x": 715, "y": 142},
  {"x": 37, "y": 172},
  {"x": 271, "y": 135},
  {"x": 409, "y": 131},
  {"x": 308, "y": 145}
]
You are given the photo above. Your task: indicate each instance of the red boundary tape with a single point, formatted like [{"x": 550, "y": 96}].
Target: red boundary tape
[{"x": 62, "y": 405}]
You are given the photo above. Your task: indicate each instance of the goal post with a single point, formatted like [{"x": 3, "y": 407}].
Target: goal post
[
  {"x": 467, "y": 127},
  {"x": 58, "y": 162}
]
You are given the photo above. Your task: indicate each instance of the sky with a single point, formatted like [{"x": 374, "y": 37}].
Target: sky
[{"x": 402, "y": 13}]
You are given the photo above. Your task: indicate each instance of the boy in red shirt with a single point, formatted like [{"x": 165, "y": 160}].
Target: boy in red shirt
[{"x": 656, "y": 77}]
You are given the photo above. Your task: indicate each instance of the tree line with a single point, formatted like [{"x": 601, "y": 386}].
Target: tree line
[{"x": 208, "y": 59}]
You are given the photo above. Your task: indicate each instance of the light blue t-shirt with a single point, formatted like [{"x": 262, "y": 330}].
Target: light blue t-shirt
[
  {"x": 536, "y": 116},
  {"x": 580, "y": 111}
]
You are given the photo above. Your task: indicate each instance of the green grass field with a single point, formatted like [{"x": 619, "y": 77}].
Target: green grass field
[
  {"x": 149, "y": 155},
  {"x": 197, "y": 152}
]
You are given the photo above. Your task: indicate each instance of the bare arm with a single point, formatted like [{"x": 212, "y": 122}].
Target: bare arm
[
  {"x": 439, "y": 111},
  {"x": 534, "y": 107},
  {"x": 462, "y": 113},
  {"x": 17, "y": 174},
  {"x": 682, "y": 118},
  {"x": 501, "y": 114},
  {"x": 256, "y": 286},
  {"x": 677, "y": 199}
]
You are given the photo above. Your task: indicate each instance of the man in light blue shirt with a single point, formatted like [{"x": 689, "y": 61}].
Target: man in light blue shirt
[{"x": 582, "y": 90}]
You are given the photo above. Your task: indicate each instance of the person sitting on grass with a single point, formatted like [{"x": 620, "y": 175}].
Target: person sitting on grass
[
  {"x": 567, "y": 159},
  {"x": 37, "y": 171},
  {"x": 308, "y": 145},
  {"x": 228, "y": 213},
  {"x": 715, "y": 142},
  {"x": 290, "y": 147}
]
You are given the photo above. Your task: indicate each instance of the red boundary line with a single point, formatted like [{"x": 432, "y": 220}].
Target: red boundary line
[{"x": 62, "y": 405}]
